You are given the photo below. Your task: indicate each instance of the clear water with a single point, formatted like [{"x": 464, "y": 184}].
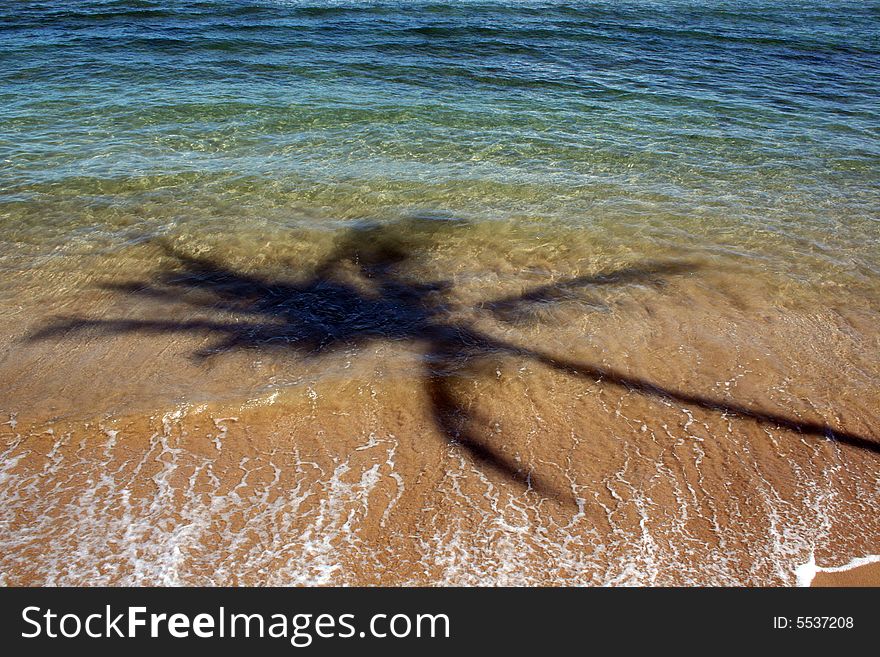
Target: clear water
[
  {"x": 356, "y": 209},
  {"x": 724, "y": 119}
]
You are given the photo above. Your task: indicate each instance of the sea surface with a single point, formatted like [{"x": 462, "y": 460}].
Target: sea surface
[{"x": 471, "y": 292}]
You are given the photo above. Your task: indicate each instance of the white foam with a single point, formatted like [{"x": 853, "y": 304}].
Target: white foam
[
  {"x": 263, "y": 513},
  {"x": 806, "y": 572},
  {"x": 266, "y": 400},
  {"x": 220, "y": 423}
]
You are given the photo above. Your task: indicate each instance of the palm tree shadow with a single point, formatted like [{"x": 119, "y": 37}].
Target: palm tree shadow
[{"x": 371, "y": 288}]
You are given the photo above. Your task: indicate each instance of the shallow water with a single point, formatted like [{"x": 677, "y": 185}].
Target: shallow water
[{"x": 475, "y": 292}]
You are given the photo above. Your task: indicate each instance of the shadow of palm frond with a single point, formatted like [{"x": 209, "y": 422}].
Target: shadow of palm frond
[
  {"x": 518, "y": 308},
  {"x": 370, "y": 289}
]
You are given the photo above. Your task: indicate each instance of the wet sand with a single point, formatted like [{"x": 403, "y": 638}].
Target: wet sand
[
  {"x": 482, "y": 294},
  {"x": 867, "y": 575},
  {"x": 383, "y": 416}
]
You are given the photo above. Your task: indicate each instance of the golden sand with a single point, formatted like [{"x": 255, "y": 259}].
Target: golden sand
[
  {"x": 867, "y": 575},
  {"x": 666, "y": 422}
]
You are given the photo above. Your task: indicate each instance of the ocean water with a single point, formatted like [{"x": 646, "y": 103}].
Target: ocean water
[{"x": 489, "y": 291}]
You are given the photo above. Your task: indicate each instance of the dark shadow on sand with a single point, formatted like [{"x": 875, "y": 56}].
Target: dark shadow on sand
[{"x": 368, "y": 289}]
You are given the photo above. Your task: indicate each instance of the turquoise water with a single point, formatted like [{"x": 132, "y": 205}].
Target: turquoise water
[
  {"x": 659, "y": 119},
  {"x": 418, "y": 292}
]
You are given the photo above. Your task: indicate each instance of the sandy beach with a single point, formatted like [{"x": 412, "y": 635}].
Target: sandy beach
[
  {"x": 867, "y": 575},
  {"x": 473, "y": 446},
  {"x": 438, "y": 294}
]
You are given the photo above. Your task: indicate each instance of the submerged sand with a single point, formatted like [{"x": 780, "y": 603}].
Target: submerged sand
[{"x": 386, "y": 414}]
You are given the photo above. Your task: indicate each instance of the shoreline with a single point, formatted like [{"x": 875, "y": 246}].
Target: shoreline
[
  {"x": 183, "y": 491},
  {"x": 860, "y": 572}
]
